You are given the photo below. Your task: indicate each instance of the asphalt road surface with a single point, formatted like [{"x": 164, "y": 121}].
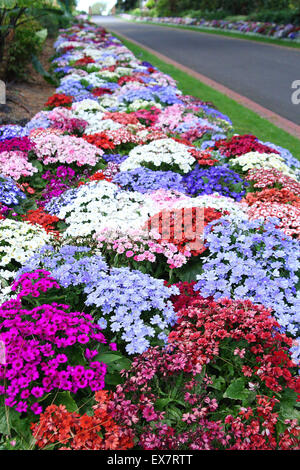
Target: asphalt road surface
[{"x": 261, "y": 72}]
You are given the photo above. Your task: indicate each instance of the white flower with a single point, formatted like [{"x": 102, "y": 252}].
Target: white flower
[
  {"x": 262, "y": 160},
  {"x": 158, "y": 152}
]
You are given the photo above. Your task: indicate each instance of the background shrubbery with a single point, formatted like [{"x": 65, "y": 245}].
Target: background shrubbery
[
  {"x": 277, "y": 11},
  {"x": 24, "y": 26}
]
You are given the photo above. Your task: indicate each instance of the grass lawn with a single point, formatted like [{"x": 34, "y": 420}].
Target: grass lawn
[
  {"x": 244, "y": 120},
  {"x": 221, "y": 32}
]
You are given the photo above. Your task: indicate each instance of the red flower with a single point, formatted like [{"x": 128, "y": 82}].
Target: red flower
[
  {"x": 59, "y": 99},
  {"x": 101, "y": 140},
  {"x": 240, "y": 144},
  {"x": 99, "y": 91},
  {"x": 84, "y": 61},
  {"x": 39, "y": 217},
  {"x": 71, "y": 431}
]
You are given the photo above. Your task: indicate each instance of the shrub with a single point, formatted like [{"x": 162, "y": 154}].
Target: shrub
[{"x": 25, "y": 43}]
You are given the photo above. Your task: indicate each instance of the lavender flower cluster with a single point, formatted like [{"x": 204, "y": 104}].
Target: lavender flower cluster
[{"x": 145, "y": 180}]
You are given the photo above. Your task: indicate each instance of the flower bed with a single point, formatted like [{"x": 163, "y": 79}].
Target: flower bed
[
  {"x": 247, "y": 27},
  {"x": 149, "y": 262}
]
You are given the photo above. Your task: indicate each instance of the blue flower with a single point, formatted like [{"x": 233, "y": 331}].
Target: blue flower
[
  {"x": 145, "y": 180},
  {"x": 218, "y": 179}
]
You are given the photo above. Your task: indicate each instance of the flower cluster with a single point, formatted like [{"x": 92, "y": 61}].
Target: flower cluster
[
  {"x": 57, "y": 100},
  {"x": 217, "y": 179},
  {"x": 51, "y": 148},
  {"x": 23, "y": 144},
  {"x": 240, "y": 144},
  {"x": 41, "y": 345},
  {"x": 10, "y": 193},
  {"x": 289, "y": 216},
  {"x": 100, "y": 140},
  {"x": 47, "y": 221},
  {"x": 145, "y": 180},
  {"x": 18, "y": 242},
  {"x": 163, "y": 154},
  {"x": 282, "y": 196},
  {"x": 60, "y": 429},
  {"x": 256, "y": 160},
  {"x": 136, "y": 247},
  {"x": 98, "y": 205},
  {"x": 269, "y": 178},
  {"x": 136, "y": 319},
  {"x": 15, "y": 164}
]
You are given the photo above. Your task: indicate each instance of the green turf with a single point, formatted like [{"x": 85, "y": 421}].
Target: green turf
[
  {"x": 230, "y": 34},
  {"x": 244, "y": 120}
]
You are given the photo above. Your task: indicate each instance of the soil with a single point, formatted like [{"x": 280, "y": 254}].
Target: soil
[{"x": 25, "y": 99}]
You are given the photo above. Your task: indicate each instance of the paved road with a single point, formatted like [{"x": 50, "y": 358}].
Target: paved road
[{"x": 261, "y": 72}]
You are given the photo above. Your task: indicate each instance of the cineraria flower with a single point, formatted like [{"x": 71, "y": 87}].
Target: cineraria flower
[
  {"x": 15, "y": 164},
  {"x": 97, "y": 205},
  {"x": 51, "y": 148},
  {"x": 140, "y": 246},
  {"x": 41, "y": 346},
  {"x": 66, "y": 430},
  {"x": 18, "y": 242},
  {"x": 256, "y": 160},
  {"x": 163, "y": 154},
  {"x": 10, "y": 194},
  {"x": 10, "y": 131},
  {"x": 218, "y": 179},
  {"x": 69, "y": 265},
  {"x": 289, "y": 159},
  {"x": 23, "y": 144},
  {"x": 63, "y": 118},
  {"x": 289, "y": 216},
  {"x": 241, "y": 144},
  {"x": 135, "y": 305},
  {"x": 269, "y": 178},
  {"x": 145, "y": 180},
  {"x": 59, "y": 99}
]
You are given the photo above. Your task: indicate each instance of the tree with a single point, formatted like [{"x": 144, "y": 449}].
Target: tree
[
  {"x": 98, "y": 8},
  {"x": 126, "y": 5}
]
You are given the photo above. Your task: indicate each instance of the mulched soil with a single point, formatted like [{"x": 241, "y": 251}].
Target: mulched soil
[{"x": 25, "y": 99}]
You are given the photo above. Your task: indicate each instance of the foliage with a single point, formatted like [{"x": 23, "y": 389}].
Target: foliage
[
  {"x": 26, "y": 43},
  {"x": 278, "y": 11},
  {"x": 98, "y": 8},
  {"x": 18, "y": 19}
]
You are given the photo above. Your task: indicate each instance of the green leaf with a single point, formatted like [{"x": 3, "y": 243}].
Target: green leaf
[
  {"x": 162, "y": 403},
  {"x": 3, "y": 421},
  {"x": 37, "y": 165},
  {"x": 236, "y": 390},
  {"x": 113, "y": 379},
  {"x": 218, "y": 383},
  {"x": 64, "y": 398},
  {"x": 123, "y": 363},
  {"x": 21, "y": 425},
  {"x": 41, "y": 35},
  {"x": 174, "y": 413},
  {"x": 189, "y": 272},
  {"x": 107, "y": 357},
  {"x": 288, "y": 405},
  {"x": 40, "y": 69}
]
